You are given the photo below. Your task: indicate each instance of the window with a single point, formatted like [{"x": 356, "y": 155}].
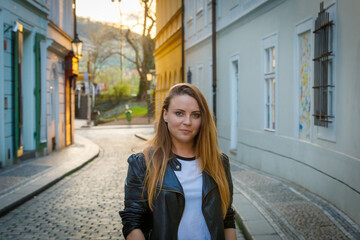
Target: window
[
  {"x": 323, "y": 70},
  {"x": 234, "y": 99},
  {"x": 210, "y": 81},
  {"x": 199, "y": 6},
  {"x": 199, "y": 76},
  {"x": 190, "y": 10},
  {"x": 52, "y": 94},
  {"x": 269, "y": 66},
  {"x": 303, "y": 95}
]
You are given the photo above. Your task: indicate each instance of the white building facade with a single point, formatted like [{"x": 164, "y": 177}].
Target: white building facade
[{"x": 287, "y": 88}]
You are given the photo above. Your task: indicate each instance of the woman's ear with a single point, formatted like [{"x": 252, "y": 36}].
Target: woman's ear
[{"x": 165, "y": 115}]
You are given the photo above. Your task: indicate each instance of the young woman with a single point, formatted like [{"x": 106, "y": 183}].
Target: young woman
[{"x": 180, "y": 186}]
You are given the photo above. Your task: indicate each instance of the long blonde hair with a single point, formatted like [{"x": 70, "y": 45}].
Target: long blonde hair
[{"x": 158, "y": 151}]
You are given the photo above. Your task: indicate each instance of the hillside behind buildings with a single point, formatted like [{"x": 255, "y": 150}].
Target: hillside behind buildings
[{"x": 102, "y": 46}]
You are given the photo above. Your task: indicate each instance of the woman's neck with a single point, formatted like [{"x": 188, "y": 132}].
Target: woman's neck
[{"x": 184, "y": 150}]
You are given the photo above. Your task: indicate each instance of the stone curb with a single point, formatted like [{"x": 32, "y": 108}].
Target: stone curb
[
  {"x": 25, "y": 192},
  {"x": 242, "y": 224},
  {"x": 115, "y": 127},
  {"x": 141, "y": 136}
]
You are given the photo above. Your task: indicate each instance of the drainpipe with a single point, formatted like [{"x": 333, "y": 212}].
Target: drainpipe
[
  {"x": 214, "y": 83},
  {"x": 182, "y": 42}
]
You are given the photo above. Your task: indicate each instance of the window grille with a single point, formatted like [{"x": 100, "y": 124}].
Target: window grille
[{"x": 323, "y": 79}]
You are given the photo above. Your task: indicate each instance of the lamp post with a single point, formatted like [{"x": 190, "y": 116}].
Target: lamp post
[{"x": 76, "y": 44}]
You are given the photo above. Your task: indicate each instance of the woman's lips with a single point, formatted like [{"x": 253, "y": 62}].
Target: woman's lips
[{"x": 185, "y": 131}]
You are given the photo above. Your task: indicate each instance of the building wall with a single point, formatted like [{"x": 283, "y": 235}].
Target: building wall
[
  {"x": 56, "y": 101},
  {"x": 325, "y": 160},
  {"x": 3, "y": 154},
  {"x": 168, "y": 50},
  {"x": 198, "y": 45},
  {"x": 168, "y": 70},
  {"x": 199, "y": 62},
  {"x": 42, "y": 29},
  {"x": 33, "y": 17},
  {"x": 59, "y": 37}
]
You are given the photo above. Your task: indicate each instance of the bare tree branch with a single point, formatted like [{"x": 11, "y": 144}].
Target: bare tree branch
[{"x": 126, "y": 57}]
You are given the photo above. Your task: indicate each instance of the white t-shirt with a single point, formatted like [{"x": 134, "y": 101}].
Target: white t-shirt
[{"x": 192, "y": 225}]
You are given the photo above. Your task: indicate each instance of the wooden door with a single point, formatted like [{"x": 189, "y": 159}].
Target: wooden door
[{"x": 68, "y": 111}]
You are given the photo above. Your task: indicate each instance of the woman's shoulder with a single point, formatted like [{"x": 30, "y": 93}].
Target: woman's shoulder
[
  {"x": 225, "y": 160},
  {"x": 137, "y": 160}
]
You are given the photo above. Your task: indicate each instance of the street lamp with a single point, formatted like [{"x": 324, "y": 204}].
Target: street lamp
[
  {"x": 149, "y": 77},
  {"x": 76, "y": 44}
]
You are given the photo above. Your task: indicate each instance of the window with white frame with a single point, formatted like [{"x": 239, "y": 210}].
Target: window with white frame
[
  {"x": 270, "y": 81},
  {"x": 303, "y": 95},
  {"x": 53, "y": 94},
  {"x": 323, "y": 79},
  {"x": 199, "y": 76},
  {"x": 199, "y": 6},
  {"x": 324, "y": 87},
  {"x": 234, "y": 99},
  {"x": 190, "y": 9}
]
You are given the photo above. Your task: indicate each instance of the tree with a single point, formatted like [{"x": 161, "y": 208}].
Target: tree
[
  {"x": 143, "y": 46},
  {"x": 102, "y": 47}
]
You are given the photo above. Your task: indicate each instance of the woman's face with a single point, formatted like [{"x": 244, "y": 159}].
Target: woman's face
[{"x": 183, "y": 119}]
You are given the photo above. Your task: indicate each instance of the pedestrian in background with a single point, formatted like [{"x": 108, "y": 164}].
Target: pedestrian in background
[{"x": 180, "y": 186}]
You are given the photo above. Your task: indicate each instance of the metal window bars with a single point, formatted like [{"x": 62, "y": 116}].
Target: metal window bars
[{"x": 323, "y": 69}]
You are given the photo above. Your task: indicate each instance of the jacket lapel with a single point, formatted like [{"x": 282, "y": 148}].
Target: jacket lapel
[
  {"x": 208, "y": 184},
  {"x": 171, "y": 182}
]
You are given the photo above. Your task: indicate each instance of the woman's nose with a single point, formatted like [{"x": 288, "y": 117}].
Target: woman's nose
[{"x": 187, "y": 120}]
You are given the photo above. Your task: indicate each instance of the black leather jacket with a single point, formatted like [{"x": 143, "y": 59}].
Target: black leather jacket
[{"x": 163, "y": 222}]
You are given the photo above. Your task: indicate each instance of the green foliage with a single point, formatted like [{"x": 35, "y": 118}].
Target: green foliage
[
  {"x": 138, "y": 110},
  {"x": 112, "y": 108},
  {"x": 123, "y": 90}
]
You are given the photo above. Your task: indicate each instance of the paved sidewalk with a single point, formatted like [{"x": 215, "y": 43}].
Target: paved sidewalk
[
  {"x": 25, "y": 180},
  {"x": 271, "y": 208}
]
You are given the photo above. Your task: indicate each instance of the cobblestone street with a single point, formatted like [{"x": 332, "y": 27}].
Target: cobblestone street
[{"x": 85, "y": 204}]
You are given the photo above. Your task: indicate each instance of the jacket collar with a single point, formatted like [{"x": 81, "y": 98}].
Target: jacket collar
[
  {"x": 208, "y": 184},
  {"x": 172, "y": 183}
]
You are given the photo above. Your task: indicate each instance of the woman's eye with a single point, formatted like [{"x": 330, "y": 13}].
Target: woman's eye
[
  {"x": 178, "y": 113},
  {"x": 196, "y": 115}
]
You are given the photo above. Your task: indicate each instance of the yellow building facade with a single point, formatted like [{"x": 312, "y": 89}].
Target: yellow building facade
[{"x": 168, "y": 50}]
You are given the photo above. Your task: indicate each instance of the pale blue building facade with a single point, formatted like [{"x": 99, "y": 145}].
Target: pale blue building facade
[
  {"x": 22, "y": 25},
  {"x": 284, "y": 105}
]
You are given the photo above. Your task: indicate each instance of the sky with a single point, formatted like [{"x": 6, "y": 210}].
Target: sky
[{"x": 108, "y": 11}]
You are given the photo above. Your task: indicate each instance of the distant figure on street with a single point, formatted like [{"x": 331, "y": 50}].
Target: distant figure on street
[
  {"x": 128, "y": 113},
  {"x": 180, "y": 186}
]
